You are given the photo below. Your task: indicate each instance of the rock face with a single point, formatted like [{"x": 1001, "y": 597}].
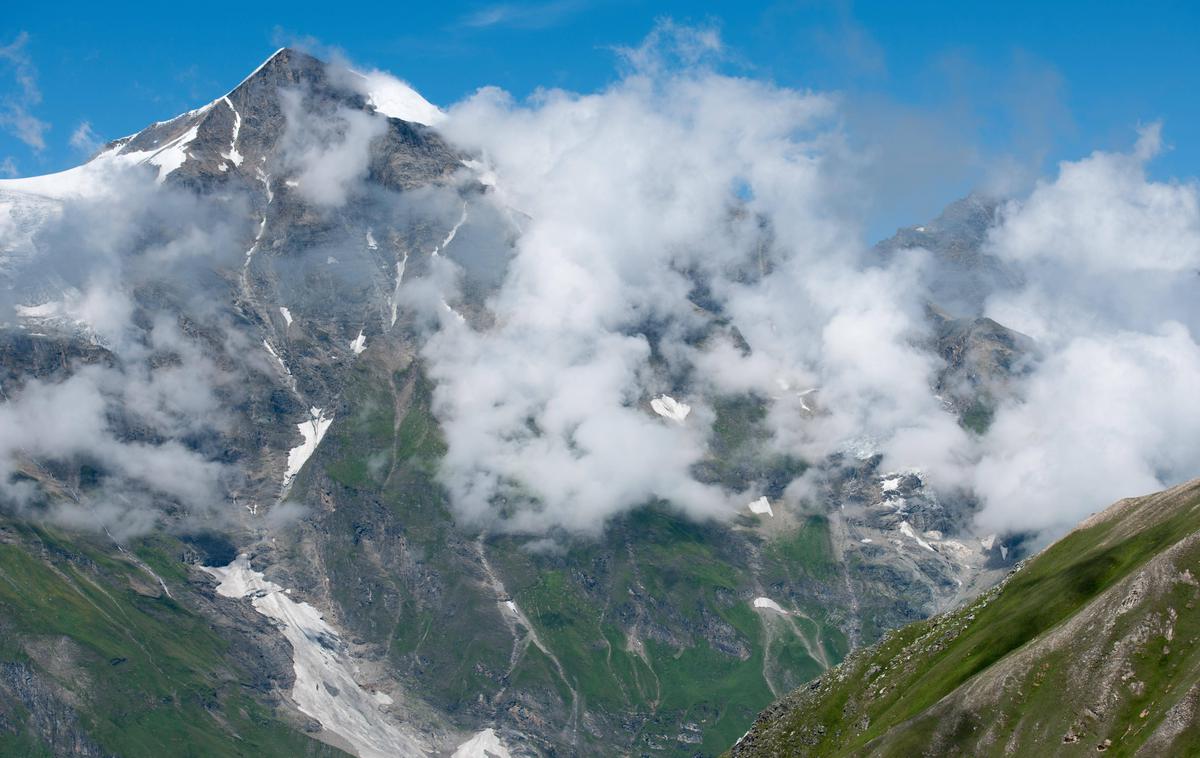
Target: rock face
[
  {"x": 966, "y": 273},
  {"x": 1088, "y": 646},
  {"x": 283, "y": 286}
]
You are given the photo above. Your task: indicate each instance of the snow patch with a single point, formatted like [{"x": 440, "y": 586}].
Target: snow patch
[
  {"x": 312, "y": 430},
  {"x": 278, "y": 359},
  {"x": 450, "y": 309},
  {"x": 668, "y": 407},
  {"x": 325, "y": 688},
  {"x": 287, "y": 315},
  {"x": 371, "y": 241},
  {"x": 761, "y": 506},
  {"x": 453, "y": 231},
  {"x": 487, "y": 177},
  {"x": 907, "y": 530},
  {"x": 51, "y": 309},
  {"x": 359, "y": 343},
  {"x": 485, "y": 744},
  {"x": 87, "y": 180},
  {"x": 395, "y": 300},
  {"x": 265, "y": 178},
  {"x": 769, "y": 604},
  {"x": 392, "y": 97},
  {"x": 233, "y": 155},
  {"x": 174, "y": 155}
]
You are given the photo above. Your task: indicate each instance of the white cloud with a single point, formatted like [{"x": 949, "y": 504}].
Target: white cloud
[
  {"x": 1110, "y": 262},
  {"x": 328, "y": 153},
  {"x": 85, "y": 140},
  {"x": 16, "y": 108},
  {"x": 629, "y": 196}
]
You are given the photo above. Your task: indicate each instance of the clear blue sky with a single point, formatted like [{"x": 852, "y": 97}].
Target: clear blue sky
[{"x": 1034, "y": 79}]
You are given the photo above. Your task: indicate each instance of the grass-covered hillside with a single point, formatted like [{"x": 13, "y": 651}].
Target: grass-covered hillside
[
  {"x": 1089, "y": 647},
  {"x": 108, "y": 652}
]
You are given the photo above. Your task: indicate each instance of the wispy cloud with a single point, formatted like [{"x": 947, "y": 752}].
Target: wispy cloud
[
  {"x": 15, "y": 108},
  {"x": 84, "y": 138},
  {"x": 522, "y": 15}
]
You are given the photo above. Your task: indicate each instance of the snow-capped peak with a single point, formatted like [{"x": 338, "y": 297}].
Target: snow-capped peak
[{"x": 394, "y": 98}]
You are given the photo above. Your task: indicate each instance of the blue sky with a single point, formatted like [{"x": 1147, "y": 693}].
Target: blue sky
[{"x": 1031, "y": 82}]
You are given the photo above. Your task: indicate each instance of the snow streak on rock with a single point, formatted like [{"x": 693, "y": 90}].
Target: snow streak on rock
[{"x": 312, "y": 430}]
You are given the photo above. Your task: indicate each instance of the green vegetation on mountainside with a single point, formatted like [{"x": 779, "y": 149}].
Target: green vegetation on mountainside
[
  {"x": 652, "y": 622},
  {"x": 101, "y": 653},
  {"x": 1024, "y": 666}
]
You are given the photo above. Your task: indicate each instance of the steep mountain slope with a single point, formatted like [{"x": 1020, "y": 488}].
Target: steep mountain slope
[
  {"x": 1089, "y": 646},
  {"x": 329, "y": 583},
  {"x": 104, "y": 655}
]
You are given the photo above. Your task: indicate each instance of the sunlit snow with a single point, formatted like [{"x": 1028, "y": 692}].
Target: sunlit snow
[
  {"x": 485, "y": 744},
  {"x": 668, "y": 407},
  {"x": 907, "y": 530},
  {"x": 394, "y": 98},
  {"x": 312, "y": 430},
  {"x": 174, "y": 155},
  {"x": 233, "y": 155},
  {"x": 325, "y": 688},
  {"x": 761, "y": 506},
  {"x": 769, "y": 604}
]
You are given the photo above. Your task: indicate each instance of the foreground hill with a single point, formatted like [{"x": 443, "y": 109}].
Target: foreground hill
[{"x": 1090, "y": 646}]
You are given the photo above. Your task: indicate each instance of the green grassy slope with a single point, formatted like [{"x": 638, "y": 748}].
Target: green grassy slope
[
  {"x": 1090, "y": 646},
  {"x": 96, "y": 660},
  {"x": 652, "y": 622}
]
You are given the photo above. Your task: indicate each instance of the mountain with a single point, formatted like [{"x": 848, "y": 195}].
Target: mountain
[
  {"x": 224, "y": 528},
  {"x": 966, "y": 272},
  {"x": 1090, "y": 646}
]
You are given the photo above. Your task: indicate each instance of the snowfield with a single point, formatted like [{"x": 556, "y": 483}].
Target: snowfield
[{"x": 325, "y": 688}]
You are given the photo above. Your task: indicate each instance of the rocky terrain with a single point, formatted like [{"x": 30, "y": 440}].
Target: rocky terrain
[{"x": 329, "y": 600}]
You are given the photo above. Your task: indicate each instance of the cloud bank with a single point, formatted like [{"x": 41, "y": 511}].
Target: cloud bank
[
  {"x": 119, "y": 431},
  {"x": 681, "y": 232},
  {"x": 680, "y": 207}
]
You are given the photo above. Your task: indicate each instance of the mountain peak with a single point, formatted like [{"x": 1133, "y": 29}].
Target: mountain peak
[
  {"x": 236, "y": 133},
  {"x": 285, "y": 67}
]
